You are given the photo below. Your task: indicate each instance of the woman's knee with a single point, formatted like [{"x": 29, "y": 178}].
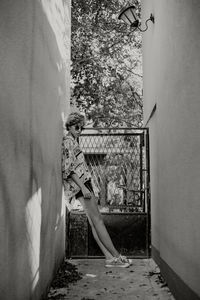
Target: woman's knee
[{"x": 97, "y": 219}]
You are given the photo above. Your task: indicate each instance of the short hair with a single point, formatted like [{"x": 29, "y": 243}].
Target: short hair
[{"x": 73, "y": 119}]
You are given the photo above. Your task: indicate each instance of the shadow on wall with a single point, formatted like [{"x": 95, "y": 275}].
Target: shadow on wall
[{"x": 31, "y": 208}]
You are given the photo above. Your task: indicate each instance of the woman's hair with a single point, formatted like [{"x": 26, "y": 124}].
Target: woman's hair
[{"x": 73, "y": 119}]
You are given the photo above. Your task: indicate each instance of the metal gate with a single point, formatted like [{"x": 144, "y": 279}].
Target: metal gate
[{"x": 119, "y": 163}]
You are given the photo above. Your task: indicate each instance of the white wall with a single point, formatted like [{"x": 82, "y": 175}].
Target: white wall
[
  {"x": 33, "y": 95},
  {"x": 171, "y": 52}
]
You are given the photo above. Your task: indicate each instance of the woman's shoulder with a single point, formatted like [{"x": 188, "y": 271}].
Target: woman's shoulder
[{"x": 68, "y": 140}]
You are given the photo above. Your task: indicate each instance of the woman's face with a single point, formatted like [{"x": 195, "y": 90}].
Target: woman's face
[{"x": 76, "y": 129}]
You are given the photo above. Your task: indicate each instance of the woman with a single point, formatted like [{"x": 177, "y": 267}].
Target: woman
[{"x": 77, "y": 182}]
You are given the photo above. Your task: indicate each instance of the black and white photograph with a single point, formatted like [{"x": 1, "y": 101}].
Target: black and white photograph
[{"x": 99, "y": 149}]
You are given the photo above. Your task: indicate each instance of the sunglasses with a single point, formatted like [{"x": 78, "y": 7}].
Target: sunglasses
[{"x": 78, "y": 127}]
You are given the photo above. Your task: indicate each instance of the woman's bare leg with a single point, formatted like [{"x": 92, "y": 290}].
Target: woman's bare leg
[
  {"x": 106, "y": 253},
  {"x": 99, "y": 230}
]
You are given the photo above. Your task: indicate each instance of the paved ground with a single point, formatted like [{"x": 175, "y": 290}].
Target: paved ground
[{"x": 141, "y": 281}]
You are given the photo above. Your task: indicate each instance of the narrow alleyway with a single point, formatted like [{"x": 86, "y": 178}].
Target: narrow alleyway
[{"x": 141, "y": 281}]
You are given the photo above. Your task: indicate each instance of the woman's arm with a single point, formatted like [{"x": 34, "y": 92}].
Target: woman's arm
[{"x": 78, "y": 181}]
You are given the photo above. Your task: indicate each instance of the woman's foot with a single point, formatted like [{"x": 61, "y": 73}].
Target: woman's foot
[
  {"x": 116, "y": 262},
  {"x": 126, "y": 260}
]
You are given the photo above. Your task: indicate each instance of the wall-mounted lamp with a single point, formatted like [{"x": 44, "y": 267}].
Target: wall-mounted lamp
[{"x": 128, "y": 15}]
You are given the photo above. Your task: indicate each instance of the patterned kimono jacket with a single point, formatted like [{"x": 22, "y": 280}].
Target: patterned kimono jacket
[{"x": 73, "y": 161}]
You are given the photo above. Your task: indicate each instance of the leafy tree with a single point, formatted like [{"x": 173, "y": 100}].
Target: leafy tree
[{"x": 106, "y": 71}]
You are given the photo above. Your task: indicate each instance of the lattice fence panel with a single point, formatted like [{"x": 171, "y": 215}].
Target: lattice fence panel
[{"x": 117, "y": 162}]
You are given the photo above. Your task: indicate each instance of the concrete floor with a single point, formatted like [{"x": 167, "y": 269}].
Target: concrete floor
[{"x": 141, "y": 281}]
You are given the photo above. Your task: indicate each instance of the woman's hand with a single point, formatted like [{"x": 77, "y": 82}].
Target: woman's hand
[{"x": 86, "y": 193}]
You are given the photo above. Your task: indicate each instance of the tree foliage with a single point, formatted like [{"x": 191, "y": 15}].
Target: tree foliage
[{"x": 106, "y": 70}]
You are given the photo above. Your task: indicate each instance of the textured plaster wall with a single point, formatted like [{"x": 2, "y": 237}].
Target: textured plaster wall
[
  {"x": 33, "y": 96},
  {"x": 171, "y": 49}
]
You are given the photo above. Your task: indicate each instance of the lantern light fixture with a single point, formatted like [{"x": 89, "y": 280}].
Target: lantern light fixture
[{"x": 129, "y": 16}]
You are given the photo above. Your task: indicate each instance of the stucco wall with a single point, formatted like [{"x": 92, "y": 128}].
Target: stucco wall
[
  {"x": 171, "y": 59},
  {"x": 33, "y": 95}
]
